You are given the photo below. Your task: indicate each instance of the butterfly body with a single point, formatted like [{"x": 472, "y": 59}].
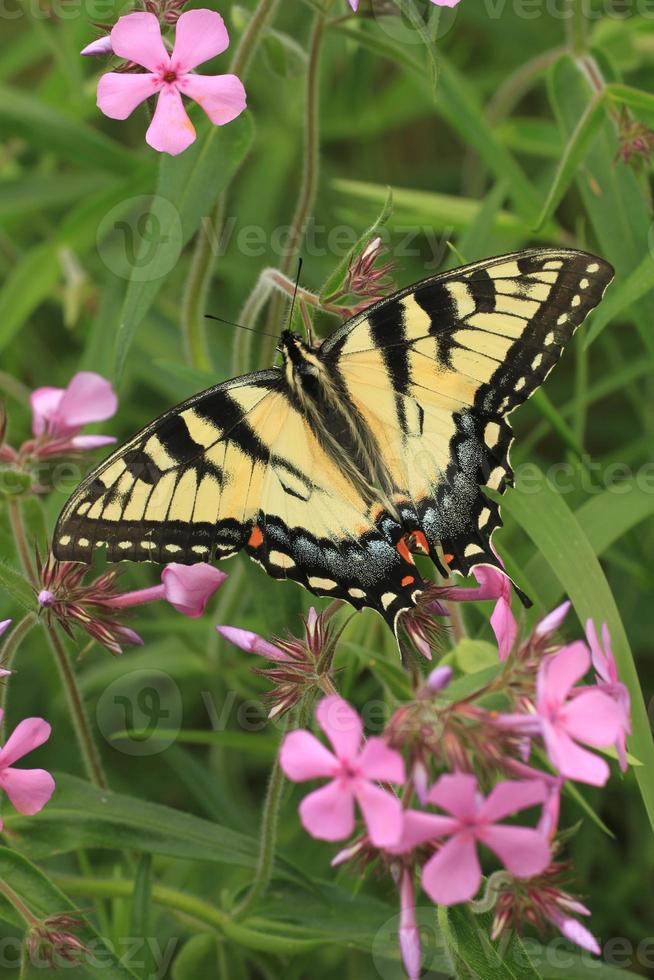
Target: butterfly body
[{"x": 335, "y": 468}]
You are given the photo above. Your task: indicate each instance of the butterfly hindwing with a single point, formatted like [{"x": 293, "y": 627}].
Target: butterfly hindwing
[{"x": 436, "y": 369}]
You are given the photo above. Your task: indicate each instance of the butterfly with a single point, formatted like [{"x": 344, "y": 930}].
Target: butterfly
[{"x": 337, "y": 467}]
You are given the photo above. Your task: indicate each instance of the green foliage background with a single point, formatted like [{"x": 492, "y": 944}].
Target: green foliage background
[{"x": 501, "y": 134}]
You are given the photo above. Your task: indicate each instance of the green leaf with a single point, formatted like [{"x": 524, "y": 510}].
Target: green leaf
[
  {"x": 187, "y": 189},
  {"x": 336, "y": 280},
  {"x": 472, "y": 656},
  {"x": 622, "y": 296},
  {"x": 612, "y": 194},
  {"x": 80, "y": 815},
  {"x": 17, "y": 586},
  {"x": 37, "y": 272},
  {"x": 471, "y": 948},
  {"x": 44, "y": 899},
  {"x": 48, "y": 128},
  {"x": 553, "y": 528},
  {"x": 603, "y": 518},
  {"x": 574, "y": 153},
  {"x": 141, "y": 918},
  {"x": 198, "y": 957}
]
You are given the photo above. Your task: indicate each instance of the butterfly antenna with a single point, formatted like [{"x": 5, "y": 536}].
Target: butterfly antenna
[
  {"x": 295, "y": 288},
  {"x": 241, "y": 326}
]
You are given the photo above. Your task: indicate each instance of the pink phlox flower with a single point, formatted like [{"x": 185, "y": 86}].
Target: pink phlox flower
[
  {"x": 453, "y": 873},
  {"x": 353, "y": 768},
  {"x": 409, "y": 933},
  {"x": 4, "y": 626},
  {"x": 200, "y": 35},
  {"x": 566, "y": 718},
  {"x": 187, "y": 588},
  {"x": 28, "y": 789},
  {"x": 58, "y": 414},
  {"x": 608, "y": 681}
]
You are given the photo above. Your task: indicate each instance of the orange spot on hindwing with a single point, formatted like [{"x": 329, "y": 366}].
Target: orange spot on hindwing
[
  {"x": 419, "y": 542},
  {"x": 408, "y": 580},
  {"x": 256, "y": 537},
  {"x": 402, "y": 549}
]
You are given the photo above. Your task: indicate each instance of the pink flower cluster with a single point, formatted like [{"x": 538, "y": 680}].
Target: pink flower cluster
[{"x": 444, "y": 843}]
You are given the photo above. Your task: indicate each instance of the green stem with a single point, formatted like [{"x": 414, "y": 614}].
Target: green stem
[
  {"x": 78, "y": 713},
  {"x": 309, "y": 185},
  {"x": 268, "y": 841},
  {"x": 9, "y": 650},
  {"x": 190, "y": 906},
  {"x": 20, "y": 540},
  {"x": 24, "y": 912},
  {"x": 576, "y": 27},
  {"x": 202, "y": 263}
]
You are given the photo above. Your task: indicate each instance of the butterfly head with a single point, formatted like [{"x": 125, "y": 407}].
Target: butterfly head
[{"x": 302, "y": 366}]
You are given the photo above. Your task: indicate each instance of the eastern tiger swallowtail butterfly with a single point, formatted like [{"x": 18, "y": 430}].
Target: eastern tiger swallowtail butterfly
[{"x": 334, "y": 468}]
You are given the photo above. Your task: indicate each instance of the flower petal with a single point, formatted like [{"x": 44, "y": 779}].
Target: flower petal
[
  {"x": 171, "y": 131},
  {"x": 302, "y": 756},
  {"x": 101, "y": 45},
  {"x": 221, "y": 96},
  {"x": 199, "y": 35},
  {"x": 44, "y": 403},
  {"x": 558, "y": 672},
  {"x": 522, "y": 851},
  {"x": 188, "y": 588},
  {"x": 137, "y": 37},
  {"x": 328, "y": 813},
  {"x": 512, "y": 795},
  {"x": 419, "y": 828},
  {"x": 572, "y": 761},
  {"x": 91, "y": 442},
  {"x": 119, "y": 94},
  {"x": 26, "y": 736},
  {"x": 253, "y": 643},
  {"x": 504, "y": 627},
  {"x": 493, "y": 582},
  {"x": 550, "y": 623},
  {"x": 28, "y": 789},
  {"x": 456, "y": 793},
  {"x": 453, "y": 874},
  {"x": 341, "y": 724},
  {"x": 594, "y": 718},
  {"x": 409, "y": 933},
  {"x": 579, "y": 934},
  {"x": 378, "y": 760},
  {"x": 382, "y": 813},
  {"x": 88, "y": 397},
  {"x": 4, "y": 626}
]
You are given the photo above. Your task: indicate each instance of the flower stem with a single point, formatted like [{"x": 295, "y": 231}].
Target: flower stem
[
  {"x": 20, "y": 540},
  {"x": 576, "y": 27},
  {"x": 309, "y": 185},
  {"x": 268, "y": 840},
  {"x": 202, "y": 263},
  {"x": 263, "y": 938},
  {"x": 78, "y": 713},
  {"x": 24, "y": 912}
]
